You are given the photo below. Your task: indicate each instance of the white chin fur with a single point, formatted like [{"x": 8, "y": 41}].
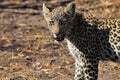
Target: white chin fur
[{"x": 56, "y": 41}]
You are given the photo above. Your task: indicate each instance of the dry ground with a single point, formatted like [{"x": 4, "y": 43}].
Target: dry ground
[{"x": 27, "y": 51}]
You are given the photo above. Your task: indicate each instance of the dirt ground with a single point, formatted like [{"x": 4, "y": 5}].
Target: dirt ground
[{"x": 27, "y": 51}]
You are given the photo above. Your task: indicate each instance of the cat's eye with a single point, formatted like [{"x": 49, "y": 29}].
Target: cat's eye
[
  {"x": 62, "y": 22},
  {"x": 51, "y": 22}
]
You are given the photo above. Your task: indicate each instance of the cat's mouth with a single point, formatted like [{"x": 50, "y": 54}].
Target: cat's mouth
[{"x": 59, "y": 37}]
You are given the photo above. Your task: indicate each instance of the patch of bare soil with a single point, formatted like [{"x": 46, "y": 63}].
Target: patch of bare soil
[{"x": 27, "y": 50}]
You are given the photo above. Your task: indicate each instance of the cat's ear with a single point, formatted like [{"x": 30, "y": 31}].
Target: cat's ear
[
  {"x": 45, "y": 9},
  {"x": 70, "y": 9}
]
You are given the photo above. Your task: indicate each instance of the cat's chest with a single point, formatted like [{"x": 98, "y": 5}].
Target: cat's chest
[{"x": 74, "y": 51}]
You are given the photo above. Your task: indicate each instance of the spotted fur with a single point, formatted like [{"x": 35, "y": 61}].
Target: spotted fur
[{"x": 89, "y": 39}]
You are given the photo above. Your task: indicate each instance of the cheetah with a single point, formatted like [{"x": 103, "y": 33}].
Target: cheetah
[{"x": 89, "y": 39}]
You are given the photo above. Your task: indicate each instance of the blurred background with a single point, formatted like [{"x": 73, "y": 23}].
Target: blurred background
[{"x": 27, "y": 51}]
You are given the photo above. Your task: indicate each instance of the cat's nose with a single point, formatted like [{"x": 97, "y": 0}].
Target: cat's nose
[{"x": 55, "y": 29}]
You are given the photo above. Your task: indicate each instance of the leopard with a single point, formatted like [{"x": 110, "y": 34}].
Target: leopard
[{"x": 89, "y": 39}]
